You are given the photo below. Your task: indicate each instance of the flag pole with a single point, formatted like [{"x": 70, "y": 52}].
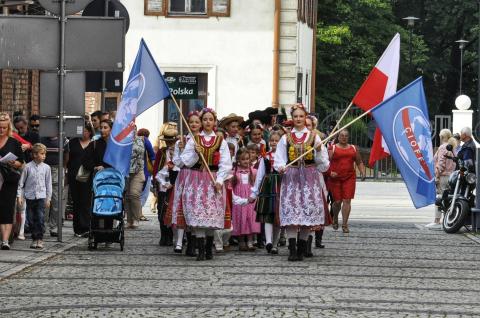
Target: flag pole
[
  {"x": 330, "y": 137},
  {"x": 341, "y": 118},
  {"x": 191, "y": 133}
]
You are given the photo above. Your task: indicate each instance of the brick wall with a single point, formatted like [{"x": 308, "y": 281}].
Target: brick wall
[{"x": 19, "y": 91}]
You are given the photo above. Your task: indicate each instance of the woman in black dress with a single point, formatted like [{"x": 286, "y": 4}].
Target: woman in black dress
[
  {"x": 93, "y": 160},
  {"x": 79, "y": 190},
  {"x": 8, "y": 191}
]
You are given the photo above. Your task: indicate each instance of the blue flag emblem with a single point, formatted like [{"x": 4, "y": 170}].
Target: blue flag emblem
[
  {"x": 405, "y": 125},
  {"x": 145, "y": 88}
]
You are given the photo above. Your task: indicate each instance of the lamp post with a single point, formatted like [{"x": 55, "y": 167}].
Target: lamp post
[
  {"x": 461, "y": 46},
  {"x": 410, "y": 24}
]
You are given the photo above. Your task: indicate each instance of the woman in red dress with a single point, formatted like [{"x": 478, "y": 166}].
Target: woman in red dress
[{"x": 342, "y": 177}]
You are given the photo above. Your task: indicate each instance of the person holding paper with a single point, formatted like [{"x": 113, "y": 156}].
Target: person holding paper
[{"x": 8, "y": 192}]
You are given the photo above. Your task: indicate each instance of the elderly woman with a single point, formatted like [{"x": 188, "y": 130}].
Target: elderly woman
[
  {"x": 10, "y": 177},
  {"x": 443, "y": 168}
]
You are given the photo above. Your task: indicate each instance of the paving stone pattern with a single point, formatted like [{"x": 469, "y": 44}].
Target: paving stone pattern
[{"x": 379, "y": 270}]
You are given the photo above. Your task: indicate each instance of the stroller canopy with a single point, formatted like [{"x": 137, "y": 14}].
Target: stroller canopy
[{"x": 108, "y": 187}]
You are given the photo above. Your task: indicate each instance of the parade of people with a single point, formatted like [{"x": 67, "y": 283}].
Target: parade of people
[{"x": 239, "y": 158}]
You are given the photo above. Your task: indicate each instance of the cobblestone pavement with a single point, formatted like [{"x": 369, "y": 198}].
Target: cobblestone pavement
[{"x": 381, "y": 269}]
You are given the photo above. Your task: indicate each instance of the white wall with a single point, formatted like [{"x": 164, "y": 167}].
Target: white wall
[{"x": 237, "y": 51}]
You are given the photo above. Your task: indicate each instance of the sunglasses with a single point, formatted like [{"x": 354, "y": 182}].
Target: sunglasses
[{"x": 35, "y": 126}]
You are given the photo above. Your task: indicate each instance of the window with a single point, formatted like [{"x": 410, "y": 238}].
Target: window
[
  {"x": 219, "y": 8},
  {"x": 182, "y": 82},
  {"x": 154, "y": 7},
  {"x": 299, "y": 88},
  {"x": 182, "y": 8},
  {"x": 187, "y": 7}
]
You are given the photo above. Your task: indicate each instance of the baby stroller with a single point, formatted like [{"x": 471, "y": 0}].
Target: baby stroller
[{"x": 107, "y": 207}]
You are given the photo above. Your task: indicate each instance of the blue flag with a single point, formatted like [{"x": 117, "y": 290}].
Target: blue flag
[
  {"x": 403, "y": 120},
  {"x": 145, "y": 88}
]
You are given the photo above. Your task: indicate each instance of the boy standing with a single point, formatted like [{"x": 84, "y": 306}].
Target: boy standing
[{"x": 36, "y": 186}]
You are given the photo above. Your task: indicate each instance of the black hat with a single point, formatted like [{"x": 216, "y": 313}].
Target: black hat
[{"x": 260, "y": 115}]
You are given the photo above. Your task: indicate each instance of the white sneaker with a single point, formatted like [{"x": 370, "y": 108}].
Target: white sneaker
[
  {"x": 434, "y": 226},
  {"x": 21, "y": 237}
]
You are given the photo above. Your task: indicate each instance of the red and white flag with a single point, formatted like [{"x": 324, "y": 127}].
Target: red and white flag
[{"x": 380, "y": 84}]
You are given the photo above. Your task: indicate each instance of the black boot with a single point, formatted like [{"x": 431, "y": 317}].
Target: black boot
[
  {"x": 163, "y": 235},
  {"x": 169, "y": 236},
  {"x": 318, "y": 239},
  {"x": 201, "y": 249},
  {"x": 190, "y": 250},
  {"x": 301, "y": 249},
  {"x": 308, "y": 250},
  {"x": 292, "y": 246},
  {"x": 208, "y": 248}
]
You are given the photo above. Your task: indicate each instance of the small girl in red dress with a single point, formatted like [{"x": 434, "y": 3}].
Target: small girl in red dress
[{"x": 342, "y": 177}]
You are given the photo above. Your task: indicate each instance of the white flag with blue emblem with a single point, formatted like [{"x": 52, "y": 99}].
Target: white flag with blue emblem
[{"x": 145, "y": 88}]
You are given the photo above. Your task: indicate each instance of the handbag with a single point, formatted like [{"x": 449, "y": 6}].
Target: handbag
[
  {"x": 10, "y": 175},
  {"x": 83, "y": 174}
]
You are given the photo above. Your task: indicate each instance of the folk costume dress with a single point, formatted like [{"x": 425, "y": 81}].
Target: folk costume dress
[
  {"x": 243, "y": 213},
  {"x": 267, "y": 191},
  {"x": 301, "y": 202},
  {"x": 203, "y": 207},
  {"x": 176, "y": 206}
]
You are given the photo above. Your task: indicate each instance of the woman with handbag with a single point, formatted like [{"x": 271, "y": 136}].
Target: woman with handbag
[
  {"x": 79, "y": 188},
  {"x": 11, "y": 175}
]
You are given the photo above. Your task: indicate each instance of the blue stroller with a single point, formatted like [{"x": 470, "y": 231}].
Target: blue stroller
[{"x": 107, "y": 206}]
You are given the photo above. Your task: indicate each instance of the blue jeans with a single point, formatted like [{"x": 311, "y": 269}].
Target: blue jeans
[{"x": 36, "y": 215}]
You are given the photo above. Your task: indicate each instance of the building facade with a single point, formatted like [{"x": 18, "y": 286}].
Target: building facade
[{"x": 242, "y": 54}]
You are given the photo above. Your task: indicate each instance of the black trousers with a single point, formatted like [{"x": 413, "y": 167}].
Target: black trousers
[{"x": 81, "y": 197}]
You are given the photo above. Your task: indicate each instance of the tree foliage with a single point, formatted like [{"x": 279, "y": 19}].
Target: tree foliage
[{"x": 352, "y": 34}]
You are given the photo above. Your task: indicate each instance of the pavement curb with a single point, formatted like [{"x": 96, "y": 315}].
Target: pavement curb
[
  {"x": 474, "y": 238},
  {"x": 49, "y": 253}
]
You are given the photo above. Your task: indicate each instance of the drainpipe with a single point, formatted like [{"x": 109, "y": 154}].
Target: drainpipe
[
  {"x": 314, "y": 58},
  {"x": 276, "y": 54}
]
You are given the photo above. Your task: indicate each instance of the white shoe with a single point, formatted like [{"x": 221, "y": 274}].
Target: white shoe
[
  {"x": 434, "y": 226},
  {"x": 21, "y": 237}
]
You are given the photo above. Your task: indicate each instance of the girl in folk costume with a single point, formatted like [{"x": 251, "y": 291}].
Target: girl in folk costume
[
  {"x": 301, "y": 208},
  {"x": 165, "y": 173},
  {"x": 267, "y": 190},
  {"x": 176, "y": 207},
  {"x": 254, "y": 155},
  {"x": 203, "y": 199},
  {"x": 243, "y": 212},
  {"x": 342, "y": 178},
  {"x": 256, "y": 138},
  {"x": 317, "y": 232}
]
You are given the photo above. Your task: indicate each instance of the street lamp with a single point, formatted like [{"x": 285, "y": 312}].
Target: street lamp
[
  {"x": 461, "y": 46},
  {"x": 410, "y": 24}
]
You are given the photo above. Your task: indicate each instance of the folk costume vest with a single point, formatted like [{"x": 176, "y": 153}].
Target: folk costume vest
[
  {"x": 298, "y": 146},
  {"x": 211, "y": 152}
]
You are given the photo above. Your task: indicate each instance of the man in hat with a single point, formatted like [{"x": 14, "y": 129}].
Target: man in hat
[
  {"x": 231, "y": 125},
  {"x": 165, "y": 173}
]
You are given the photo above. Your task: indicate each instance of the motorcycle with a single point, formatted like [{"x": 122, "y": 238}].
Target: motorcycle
[{"x": 457, "y": 201}]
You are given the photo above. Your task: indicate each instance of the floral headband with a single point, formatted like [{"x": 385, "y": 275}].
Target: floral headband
[
  {"x": 4, "y": 117},
  {"x": 298, "y": 106},
  {"x": 208, "y": 110},
  {"x": 193, "y": 113}
]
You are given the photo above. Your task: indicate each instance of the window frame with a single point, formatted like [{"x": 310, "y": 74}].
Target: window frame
[
  {"x": 154, "y": 13},
  {"x": 208, "y": 11},
  {"x": 211, "y": 13}
]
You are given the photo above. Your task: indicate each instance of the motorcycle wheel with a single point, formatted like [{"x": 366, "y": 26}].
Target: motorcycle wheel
[{"x": 455, "y": 219}]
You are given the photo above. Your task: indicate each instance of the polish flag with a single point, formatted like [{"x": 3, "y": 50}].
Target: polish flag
[{"x": 380, "y": 84}]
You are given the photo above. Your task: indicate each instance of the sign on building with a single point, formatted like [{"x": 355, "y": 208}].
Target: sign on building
[{"x": 183, "y": 85}]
